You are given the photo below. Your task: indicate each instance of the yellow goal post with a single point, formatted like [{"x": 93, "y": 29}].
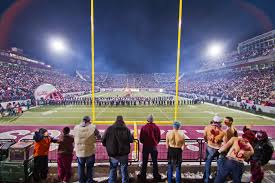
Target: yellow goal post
[{"x": 93, "y": 61}]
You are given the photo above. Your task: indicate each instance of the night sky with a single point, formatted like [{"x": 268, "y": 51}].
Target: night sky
[{"x": 132, "y": 36}]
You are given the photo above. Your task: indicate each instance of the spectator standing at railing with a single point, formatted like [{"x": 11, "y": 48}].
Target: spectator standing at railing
[
  {"x": 230, "y": 131},
  {"x": 65, "y": 155},
  {"x": 117, "y": 139},
  {"x": 150, "y": 137},
  {"x": 263, "y": 151},
  {"x": 42, "y": 142},
  {"x": 175, "y": 143},
  {"x": 85, "y": 135},
  {"x": 240, "y": 150},
  {"x": 213, "y": 136}
]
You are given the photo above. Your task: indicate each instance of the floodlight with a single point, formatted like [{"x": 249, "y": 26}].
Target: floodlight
[
  {"x": 215, "y": 50},
  {"x": 57, "y": 45}
]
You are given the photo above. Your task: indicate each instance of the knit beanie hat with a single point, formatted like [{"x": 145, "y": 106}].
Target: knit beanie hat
[
  {"x": 150, "y": 118},
  {"x": 249, "y": 135},
  {"x": 176, "y": 124},
  {"x": 42, "y": 131}
]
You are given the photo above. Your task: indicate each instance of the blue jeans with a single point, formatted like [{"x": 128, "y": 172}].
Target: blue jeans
[
  {"x": 114, "y": 162},
  {"x": 154, "y": 156},
  {"x": 209, "y": 158},
  {"x": 221, "y": 161},
  {"x": 89, "y": 162},
  {"x": 230, "y": 166},
  {"x": 170, "y": 173}
]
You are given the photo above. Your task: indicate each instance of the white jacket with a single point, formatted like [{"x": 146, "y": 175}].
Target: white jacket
[{"x": 85, "y": 140}]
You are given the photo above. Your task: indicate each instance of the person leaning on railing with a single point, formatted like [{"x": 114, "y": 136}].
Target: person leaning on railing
[
  {"x": 175, "y": 143},
  {"x": 150, "y": 138},
  {"x": 213, "y": 135},
  {"x": 65, "y": 155},
  {"x": 240, "y": 150},
  {"x": 85, "y": 135},
  {"x": 42, "y": 142},
  {"x": 117, "y": 139}
]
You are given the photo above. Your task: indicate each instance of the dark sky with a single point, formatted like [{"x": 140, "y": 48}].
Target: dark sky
[{"x": 131, "y": 35}]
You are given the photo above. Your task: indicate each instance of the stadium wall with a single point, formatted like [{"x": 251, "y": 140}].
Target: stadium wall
[{"x": 265, "y": 109}]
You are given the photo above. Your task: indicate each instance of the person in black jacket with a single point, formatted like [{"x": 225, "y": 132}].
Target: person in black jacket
[
  {"x": 263, "y": 149},
  {"x": 117, "y": 139}
]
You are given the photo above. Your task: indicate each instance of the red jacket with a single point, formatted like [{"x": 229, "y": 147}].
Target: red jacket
[{"x": 150, "y": 135}]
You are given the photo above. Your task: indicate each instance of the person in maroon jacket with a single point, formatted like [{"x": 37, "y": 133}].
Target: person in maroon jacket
[
  {"x": 149, "y": 137},
  {"x": 65, "y": 155}
]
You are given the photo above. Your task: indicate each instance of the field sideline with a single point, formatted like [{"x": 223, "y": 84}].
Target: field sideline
[{"x": 199, "y": 114}]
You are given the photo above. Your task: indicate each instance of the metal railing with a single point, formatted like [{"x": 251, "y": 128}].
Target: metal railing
[{"x": 193, "y": 152}]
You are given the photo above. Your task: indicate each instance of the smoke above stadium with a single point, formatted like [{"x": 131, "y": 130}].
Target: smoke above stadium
[{"x": 131, "y": 36}]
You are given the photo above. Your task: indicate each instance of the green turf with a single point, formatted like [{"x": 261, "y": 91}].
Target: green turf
[{"x": 199, "y": 114}]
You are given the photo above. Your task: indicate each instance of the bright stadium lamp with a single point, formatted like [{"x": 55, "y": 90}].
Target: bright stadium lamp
[
  {"x": 57, "y": 45},
  {"x": 215, "y": 50}
]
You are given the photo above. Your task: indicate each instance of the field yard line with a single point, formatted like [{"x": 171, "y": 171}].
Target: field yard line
[
  {"x": 10, "y": 121},
  {"x": 265, "y": 117},
  {"x": 99, "y": 113},
  {"x": 161, "y": 111}
]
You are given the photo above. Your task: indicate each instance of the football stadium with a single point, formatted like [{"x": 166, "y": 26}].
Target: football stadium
[{"x": 130, "y": 99}]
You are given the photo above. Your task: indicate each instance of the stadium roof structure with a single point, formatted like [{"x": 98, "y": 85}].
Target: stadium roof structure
[
  {"x": 16, "y": 56},
  {"x": 267, "y": 38}
]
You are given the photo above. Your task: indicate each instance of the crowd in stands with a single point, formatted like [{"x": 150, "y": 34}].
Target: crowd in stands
[
  {"x": 253, "y": 86},
  {"x": 19, "y": 82},
  {"x": 231, "y": 150}
]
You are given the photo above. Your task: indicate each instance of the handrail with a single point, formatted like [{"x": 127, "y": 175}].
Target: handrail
[{"x": 194, "y": 151}]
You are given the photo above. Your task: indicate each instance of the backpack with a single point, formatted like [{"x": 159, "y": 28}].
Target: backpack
[{"x": 267, "y": 152}]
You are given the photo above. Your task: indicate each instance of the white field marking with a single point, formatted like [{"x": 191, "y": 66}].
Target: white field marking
[
  {"x": 49, "y": 112},
  {"x": 10, "y": 120},
  {"x": 211, "y": 112},
  {"x": 243, "y": 112},
  {"x": 191, "y": 106},
  {"x": 100, "y": 112},
  {"x": 165, "y": 114}
]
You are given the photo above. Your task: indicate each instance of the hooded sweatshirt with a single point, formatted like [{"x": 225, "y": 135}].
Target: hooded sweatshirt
[{"x": 41, "y": 144}]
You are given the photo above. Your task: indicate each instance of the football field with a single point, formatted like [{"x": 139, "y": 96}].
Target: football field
[
  {"x": 199, "y": 114},
  {"x": 193, "y": 118}
]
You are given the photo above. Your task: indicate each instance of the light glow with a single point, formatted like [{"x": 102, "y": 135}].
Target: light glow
[
  {"x": 215, "y": 50},
  {"x": 57, "y": 45}
]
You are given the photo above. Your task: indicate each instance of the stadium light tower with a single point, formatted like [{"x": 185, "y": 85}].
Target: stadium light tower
[
  {"x": 215, "y": 50},
  {"x": 57, "y": 45}
]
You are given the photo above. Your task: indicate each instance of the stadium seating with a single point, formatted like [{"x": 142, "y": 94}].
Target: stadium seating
[{"x": 19, "y": 82}]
